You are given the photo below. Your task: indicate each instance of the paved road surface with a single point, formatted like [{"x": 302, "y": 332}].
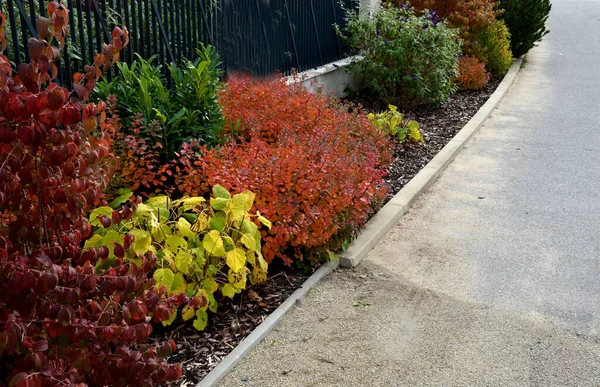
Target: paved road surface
[{"x": 493, "y": 278}]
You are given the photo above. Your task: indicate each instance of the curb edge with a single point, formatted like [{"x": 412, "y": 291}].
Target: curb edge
[{"x": 388, "y": 215}]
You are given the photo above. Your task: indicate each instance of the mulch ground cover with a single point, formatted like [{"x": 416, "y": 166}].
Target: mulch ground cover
[{"x": 199, "y": 352}]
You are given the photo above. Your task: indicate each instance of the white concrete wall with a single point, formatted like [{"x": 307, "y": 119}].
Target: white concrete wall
[{"x": 330, "y": 78}]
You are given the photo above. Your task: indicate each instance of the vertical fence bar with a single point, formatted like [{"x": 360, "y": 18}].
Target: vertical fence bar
[
  {"x": 195, "y": 30},
  {"x": 177, "y": 31},
  {"x": 172, "y": 31},
  {"x": 183, "y": 30},
  {"x": 147, "y": 33},
  {"x": 81, "y": 33},
  {"x": 337, "y": 38},
  {"x": 206, "y": 24},
  {"x": 290, "y": 27},
  {"x": 103, "y": 15},
  {"x": 154, "y": 23},
  {"x": 90, "y": 38},
  {"x": 140, "y": 22},
  {"x": 134, "y": 26},
  {"x": 72, "y": 40},
  {"x": 13, "y": 31},
  {"x": 97, "y": 28},
  {"x": 159, "y": 21}
]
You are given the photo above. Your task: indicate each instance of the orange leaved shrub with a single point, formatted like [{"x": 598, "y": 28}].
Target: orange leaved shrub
[
  {"x": 471, "y": 74},
  {"x": 316, "y": 167}
]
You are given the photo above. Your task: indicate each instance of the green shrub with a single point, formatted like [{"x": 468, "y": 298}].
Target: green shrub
[
  {"x": 201, "y": 248},
  {"x": 496, "y": 48},
  {"x": 393, "y": 123},
  {"x": 190, "y": 111},
  {"x": 526, "y": 21},
  {"x": 408, "y": 59}
]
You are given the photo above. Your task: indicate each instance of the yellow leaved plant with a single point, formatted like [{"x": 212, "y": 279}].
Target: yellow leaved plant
[{"x": 201, "y": 247}]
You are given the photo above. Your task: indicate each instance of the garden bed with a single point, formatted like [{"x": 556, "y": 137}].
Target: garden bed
[{"x": 199, "y": 352}]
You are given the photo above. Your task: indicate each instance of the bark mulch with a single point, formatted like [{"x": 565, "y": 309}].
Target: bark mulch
[{"x": 199, "y": 352}]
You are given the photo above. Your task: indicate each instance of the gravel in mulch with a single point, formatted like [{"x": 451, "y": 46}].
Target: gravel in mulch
[{"x": 199, "y": 352}]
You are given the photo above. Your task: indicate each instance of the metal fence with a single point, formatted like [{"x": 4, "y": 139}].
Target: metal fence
[{"x": 256, "y": 36}]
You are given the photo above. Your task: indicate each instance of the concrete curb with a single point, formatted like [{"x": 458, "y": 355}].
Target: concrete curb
[
  {"x": 375, "y": 229},
  {"x": 265, "y": 327},
  {"x": 383, "y": 221}
]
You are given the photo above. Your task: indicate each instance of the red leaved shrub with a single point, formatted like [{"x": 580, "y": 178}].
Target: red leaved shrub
[
  {"x": 471, "y": 74},
  {"x": 315, "y": 167},
  {"x": 63, "y": 318}
]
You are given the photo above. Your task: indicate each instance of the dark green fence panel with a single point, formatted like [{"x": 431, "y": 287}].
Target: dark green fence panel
[{"x": 255, "y": 36}]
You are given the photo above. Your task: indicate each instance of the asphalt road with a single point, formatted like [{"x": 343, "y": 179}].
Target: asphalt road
[{"x": 493, "y": 278}]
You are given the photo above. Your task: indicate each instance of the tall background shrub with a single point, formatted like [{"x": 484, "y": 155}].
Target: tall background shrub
[
  {"x": 409, "y": 59},
  {"x": 526, "y": 21},
  {"x": 496, "y": 48},
  {"x": 470, "y": 17}
]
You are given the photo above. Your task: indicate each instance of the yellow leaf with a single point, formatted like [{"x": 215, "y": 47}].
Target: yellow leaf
[
  {"x": 142, "y": 241},
  {"x": 249, "y": 241},
  {"x": 259, "y": 276},
  {"x": 213, "y": 244},
  {"x": 198, "y": 256},
  {"x": 220, "y": 192},
  {"x": 238, "y": 279},
  {"x": 228, "y": 242},
  {"x": 160, "y": 232},
  {"x": 201, "y": 320},
  {"x": 236, "y": 259},
  {"x": 210, "y": 285},
  {"x": 393, "y": 108},
  {"x": 178, "y": 285},
  {"x": 237, "y": 207},
  {"x": 158, "y": 201},
  {"x": 201, "y": 223},
  {"x": 251, "y": 257},
  {"x": 175, "y": 244},
  {"x": 164, "y": 277},
  {"x": 94, "y": 241},
  {"x": 261, "y": 262},
  {"x": 183, "y": 228},
  {"x": 229, "y": 290},
  {"x": 187, "y": 313},
  {"x": 264, "y": 221},
  {"x": 250, "y": 196},
  {"x": 189, "y": 203},
  {"x": 183, "y": 262}
]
